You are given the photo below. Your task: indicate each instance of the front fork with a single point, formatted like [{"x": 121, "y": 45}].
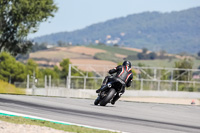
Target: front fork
[{"x": 102, "y": 95}]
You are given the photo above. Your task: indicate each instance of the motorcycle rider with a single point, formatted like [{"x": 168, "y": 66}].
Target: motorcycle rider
[{"x": 123, "y": 74}]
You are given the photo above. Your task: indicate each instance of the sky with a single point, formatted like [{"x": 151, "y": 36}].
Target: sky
[{"x": 78, "y": 14}]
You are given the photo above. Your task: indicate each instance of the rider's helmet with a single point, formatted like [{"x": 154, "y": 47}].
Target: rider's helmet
[{"x": 127, "y": 63}]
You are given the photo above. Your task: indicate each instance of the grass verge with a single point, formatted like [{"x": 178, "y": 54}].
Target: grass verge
[
  {"x": 107, "y": 56},
  {"x": 114, "y": 50},
  {"x": 10, "y": 89},
  {"x": 54, "y": 125}
]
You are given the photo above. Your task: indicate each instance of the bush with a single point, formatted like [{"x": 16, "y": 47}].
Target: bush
[{"x": 183, "y": 74}]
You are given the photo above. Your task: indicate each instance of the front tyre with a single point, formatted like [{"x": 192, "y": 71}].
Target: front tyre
[
  {"x": 107, "y": 98},
  {"x": 96, "y": 102}
]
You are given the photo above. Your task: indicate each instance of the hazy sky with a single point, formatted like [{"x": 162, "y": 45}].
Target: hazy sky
[{"x": 77, "y": 14}]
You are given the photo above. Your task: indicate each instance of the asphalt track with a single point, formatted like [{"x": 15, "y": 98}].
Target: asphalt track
[{"x": 129, "y": 117}]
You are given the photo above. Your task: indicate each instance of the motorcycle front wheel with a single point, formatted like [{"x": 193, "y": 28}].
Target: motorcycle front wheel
[
  {"x": 96, "y": 102},
  {"x": 107, "y": 98}
]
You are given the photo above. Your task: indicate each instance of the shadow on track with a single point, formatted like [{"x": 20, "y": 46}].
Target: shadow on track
[{"x": 108, "y": 106}]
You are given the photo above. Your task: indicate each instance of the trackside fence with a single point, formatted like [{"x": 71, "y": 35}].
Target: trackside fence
[
  {"x": 79, "y": 82},
  {"x": 146, "y": 78}
]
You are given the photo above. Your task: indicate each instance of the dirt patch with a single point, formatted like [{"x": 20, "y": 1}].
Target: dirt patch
[
  {"x": 120, "y": 56},
  {"x": 76, "y": 54},
  {"x": 135, "y": 49},
  {"x": 73, "y": 52},
  {"x": 47, "y": 63},
  {"x": 93, "y": 65},
  {"x": 58, "y": 55},
  {"x": 86, "y": 50},
  {"x": 62, "y": 48},
  {"x": 92, "y": 62}
]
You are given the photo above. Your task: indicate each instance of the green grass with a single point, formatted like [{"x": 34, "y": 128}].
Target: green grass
[
  {"x": 162, "y": 63},
  {"x": 107, "y": 56},
  {"x": 10, "y": 89},
  {"x": 155, "y": 63},
  {"x": 114, "y": 50},
  {"x": 68, "y": 128}
]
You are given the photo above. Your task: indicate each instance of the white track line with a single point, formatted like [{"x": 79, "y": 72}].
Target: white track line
[{"x": 3, "y": 112}]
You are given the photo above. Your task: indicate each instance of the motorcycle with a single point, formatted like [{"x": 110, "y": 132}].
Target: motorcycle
[{"x": 107, "y": 95}]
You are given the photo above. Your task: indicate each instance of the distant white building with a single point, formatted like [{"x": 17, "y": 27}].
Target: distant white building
[{"x": 50, "y": 46}]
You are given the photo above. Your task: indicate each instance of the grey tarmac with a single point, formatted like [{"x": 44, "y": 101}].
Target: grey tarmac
[{"x": 132, "y": 117}]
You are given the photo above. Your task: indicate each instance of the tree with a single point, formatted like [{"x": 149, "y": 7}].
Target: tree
[
  {"x": 116, "y": 45},
  {"x": 145, "y": 56},
  {"x": 18, "y": 18},
  {"x": 10, "y": 69},
  {"x": 144, "y": 50},
  {"x": 152, "y": 55},
  {"x": 141, "y": 56},
  {"x": 57, "y": 70},
  {"x": 38, "y": 47},
  {"x": 32, "y": 67},
  {"x": 183, "y": 74},
  {"x": 198, "y": 53},
  {"x": 64, "y": 64},
  {"x": 65, "y": 67},
  {"x": 61, "y": 43},
  {"x": 51, "y": 72}
]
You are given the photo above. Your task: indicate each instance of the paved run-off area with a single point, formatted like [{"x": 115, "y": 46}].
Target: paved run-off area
[{"x": 181, "y": 101}]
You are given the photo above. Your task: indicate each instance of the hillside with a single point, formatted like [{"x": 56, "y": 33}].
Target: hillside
[
  {"x": 91, "y": 54},
  {"x": 100, "y": 55},
  {"x": 174, "y": 32}
]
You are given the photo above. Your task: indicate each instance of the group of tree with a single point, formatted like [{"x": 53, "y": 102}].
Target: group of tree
[
  {"x": 63, "y": 44},
  {"x": 18, "y": 19},
  {"x": 38, "y": 46},
  {"x": 14, "y": 71},
  {"x": 145, "y": 55},
  {"x": 34, "y": 48}
]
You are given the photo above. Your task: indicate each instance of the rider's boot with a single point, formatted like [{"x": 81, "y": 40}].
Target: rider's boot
[{"x": 115, "y": 99}]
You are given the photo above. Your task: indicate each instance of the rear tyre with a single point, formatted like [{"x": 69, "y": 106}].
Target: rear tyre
[{"x": 107, "y": 98}]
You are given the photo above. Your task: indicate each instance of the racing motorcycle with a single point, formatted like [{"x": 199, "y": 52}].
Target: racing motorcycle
[{"x": 107, "y": 95}]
